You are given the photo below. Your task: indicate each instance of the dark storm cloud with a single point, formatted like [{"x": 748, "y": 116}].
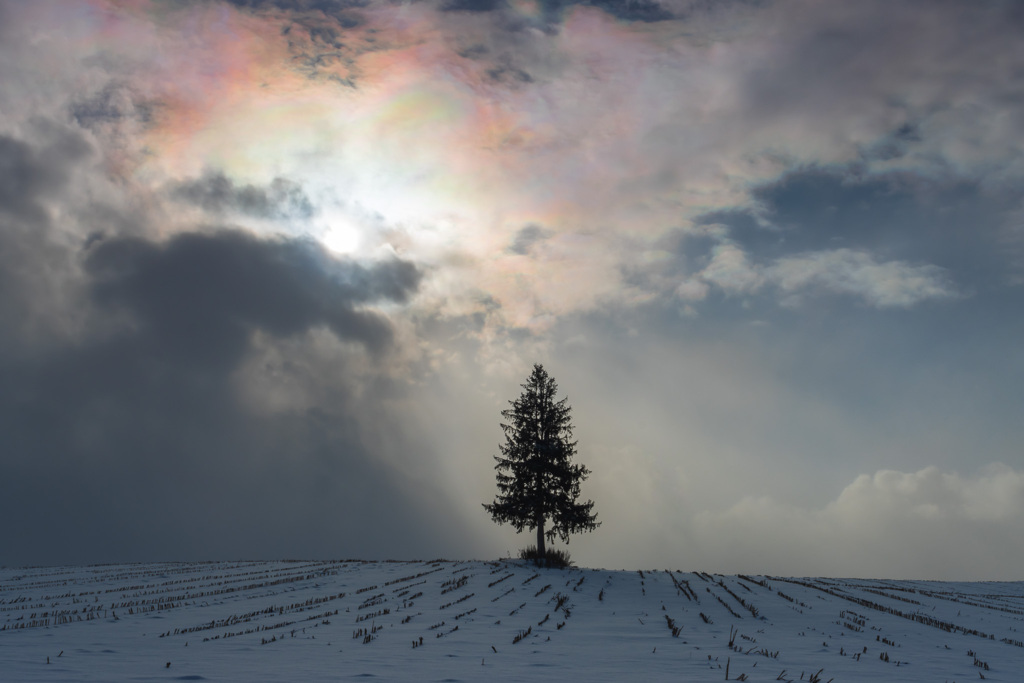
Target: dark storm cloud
[
  {"x": 202, "y": 295},
  {"x": 217, "y": 193},
  {"x": 203, "y": 411},
  {"x": 29, "y": 174}
]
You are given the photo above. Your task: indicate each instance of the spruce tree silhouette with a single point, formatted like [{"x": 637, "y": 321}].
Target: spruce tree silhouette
[{"x": 537, "y": 479}]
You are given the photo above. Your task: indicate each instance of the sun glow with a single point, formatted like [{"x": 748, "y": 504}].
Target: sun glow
[{"x": 340, "y": 234}]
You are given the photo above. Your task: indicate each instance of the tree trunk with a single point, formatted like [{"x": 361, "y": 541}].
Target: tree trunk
[{"x": 540, "y": 537}]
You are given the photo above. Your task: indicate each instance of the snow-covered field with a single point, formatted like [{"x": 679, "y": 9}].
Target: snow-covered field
[{"x": 504, "y": 620}]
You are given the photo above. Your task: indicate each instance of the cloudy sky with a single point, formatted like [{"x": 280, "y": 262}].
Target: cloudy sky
[{"x": 270, "y": 270}]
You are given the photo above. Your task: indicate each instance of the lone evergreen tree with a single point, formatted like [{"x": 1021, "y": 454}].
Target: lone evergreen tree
[{"x": 537, "y": 479}]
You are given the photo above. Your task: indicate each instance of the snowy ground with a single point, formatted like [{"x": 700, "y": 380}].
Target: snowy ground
[{"x": 468, "y": 621}]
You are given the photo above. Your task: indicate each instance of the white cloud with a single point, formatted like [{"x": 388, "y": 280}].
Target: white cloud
[
  {"x": 857, "y": 273},
  {"x": 926, "y": 524},
  {"x": 731, "y": 270},
  {"x": 889, "y": 284},
  {"x": 995, "y": 495},
  {"x": 692, "y": 290}
]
